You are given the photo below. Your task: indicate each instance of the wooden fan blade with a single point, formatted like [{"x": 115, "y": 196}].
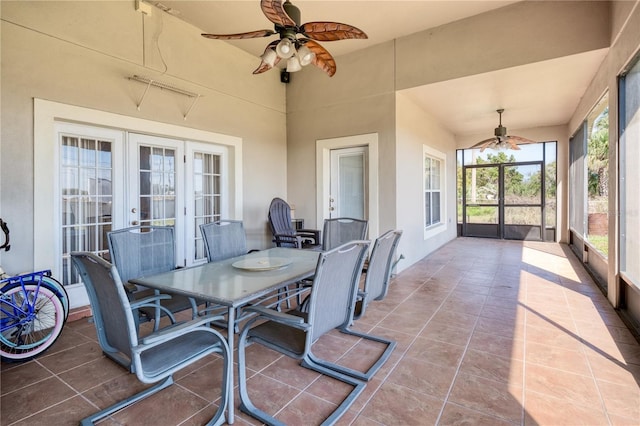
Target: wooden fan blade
[
  {"x": 323, "y": 58},
  {"x": 484, "y": 144},
  {"x": 512, "y": 143},
  {"x": 265, "y": 66},
  {"x": 330, "y": 31},
  {"x": 274, "y": 12},
  {"x": 238, "y": 36},
  {"x": 519, "y": 139}
]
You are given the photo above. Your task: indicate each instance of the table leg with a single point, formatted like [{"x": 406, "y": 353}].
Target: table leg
[{"x": 231, "y": 329}]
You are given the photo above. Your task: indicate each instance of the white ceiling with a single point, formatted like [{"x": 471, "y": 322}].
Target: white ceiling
[{"x": 540, "y": 94}]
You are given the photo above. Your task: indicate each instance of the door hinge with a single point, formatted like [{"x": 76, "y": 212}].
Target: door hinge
[
  {"x": 184, "y": 159},
  {"x": 185, "y": 211}
]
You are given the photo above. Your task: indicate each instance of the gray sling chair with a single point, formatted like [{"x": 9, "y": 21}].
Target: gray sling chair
[
  {"x": 156, "y": 357},
  {"x": 147, "y": 250},
  {"x": 340, "y": 230},
  {"x": 381, "y": 263},
  {"x": 284, "y": 233},
  {"x": 335, "y": 232},
  {"x": 224, "y": 239},
  {"x": 333, "y": 296}
]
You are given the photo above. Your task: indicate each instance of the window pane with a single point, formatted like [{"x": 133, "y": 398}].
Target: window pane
[
  {"x": 86, "y": 175},
  {"x": 432, "y": 184},
  {"x": 435, "y": 174},
  {"x": 630, "y": 176},
  {"x": 435, "y": 198},
  {"x": 427, "y": 209},
  {"x": 206, "y": 194}
]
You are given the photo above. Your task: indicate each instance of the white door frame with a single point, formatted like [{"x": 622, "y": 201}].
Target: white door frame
[
  {"x": 323, "y": 176},
  {"x": 46, "y": 168}
]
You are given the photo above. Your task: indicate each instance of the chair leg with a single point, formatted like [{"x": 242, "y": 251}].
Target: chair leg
[
  {"x": 125, "y": 403},
  {"x": 367, "y": 375},
  {"x": 358, "y": 387},
  {"x": 247, "y": 406}
]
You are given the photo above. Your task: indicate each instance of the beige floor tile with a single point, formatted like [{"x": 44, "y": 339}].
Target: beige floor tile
[{"x": 489, "y": 332}]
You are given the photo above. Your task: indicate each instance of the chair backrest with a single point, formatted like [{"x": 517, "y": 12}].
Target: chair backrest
[
  {"x": 110, "y": 307},
  {"x": 224, "y": 239},
  {"x": 338, "y": 231},
  {"x": 142, "y": 250},
  {"x": 280, "y": 217},
  {"x": 335, "y": 288},
  {"x": 380, "y": 265}
]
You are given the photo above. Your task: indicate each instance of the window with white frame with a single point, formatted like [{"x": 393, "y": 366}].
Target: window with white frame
[{"x": 433, "y": 173}]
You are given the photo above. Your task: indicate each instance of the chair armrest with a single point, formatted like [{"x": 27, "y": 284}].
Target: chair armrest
[
  {"x": 310, "y": 233},
  {"x": 287, "y": 239},
  {"x": 130, "y": 288},
  {"x": 281, "y": 317},
  {"x": 178, "y": 329},
  {"x": 147, "y": 301}
]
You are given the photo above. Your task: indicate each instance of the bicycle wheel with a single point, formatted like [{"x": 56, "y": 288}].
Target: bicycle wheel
[
  {"x": 31, "y": 319},
  {"x": 60, "y": 291}
]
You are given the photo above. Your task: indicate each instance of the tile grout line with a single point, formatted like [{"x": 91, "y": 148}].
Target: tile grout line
[{"x": 464, "y": 352}]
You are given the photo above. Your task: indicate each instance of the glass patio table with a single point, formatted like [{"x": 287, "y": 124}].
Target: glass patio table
[{"x": 237, "y": 282}]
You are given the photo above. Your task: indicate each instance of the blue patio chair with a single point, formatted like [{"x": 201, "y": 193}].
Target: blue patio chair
[
  {"x": 333, "y": 296},
  {"x": 156, "y": 357}
]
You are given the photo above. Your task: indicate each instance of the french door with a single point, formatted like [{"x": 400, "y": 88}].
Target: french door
[
  {"x": 156, "y": 170},
  {"x": 112, "y": 179},
  {"x": 504, "y": 201}
]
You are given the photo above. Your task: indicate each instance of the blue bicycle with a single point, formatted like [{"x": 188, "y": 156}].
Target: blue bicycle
[{"x": 33, "y": 310}]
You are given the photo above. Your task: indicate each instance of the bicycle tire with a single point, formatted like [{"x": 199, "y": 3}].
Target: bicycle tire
[
  {"x": 43, "y": 278},
  {"x": 31, "y": 320},
  {"x": 61, "y": 292}
]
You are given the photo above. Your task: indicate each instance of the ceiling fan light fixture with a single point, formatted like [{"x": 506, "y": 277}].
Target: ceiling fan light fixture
[
  {"x": 305, "y": 55},
  {"x": 293, "y": 64},
  {"x": 286, "y": 19},
  {"x": 269, "y": 57},
  {"x": 501, "y": 141},
  {"x": 285, "y": 49}
]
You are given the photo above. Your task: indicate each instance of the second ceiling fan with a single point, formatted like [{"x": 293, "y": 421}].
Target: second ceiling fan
[
  {"x": 501, "y": 139},
  {"x": 297, "y": 51}
]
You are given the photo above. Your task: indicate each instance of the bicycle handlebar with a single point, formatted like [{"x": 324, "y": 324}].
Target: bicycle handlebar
[{"x": 5, "y": 228}]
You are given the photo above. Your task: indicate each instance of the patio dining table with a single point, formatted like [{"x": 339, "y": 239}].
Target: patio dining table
[{"x": 237, "y": 282}]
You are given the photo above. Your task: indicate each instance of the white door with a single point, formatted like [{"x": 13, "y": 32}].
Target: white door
[
  {"x": 349, "y": 192},
  {"x": 156, "y": 182},
  {"x": 90, "y": 197}
]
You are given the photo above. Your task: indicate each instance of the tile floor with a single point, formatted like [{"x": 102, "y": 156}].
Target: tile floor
[{"x": 489, "y": 333}]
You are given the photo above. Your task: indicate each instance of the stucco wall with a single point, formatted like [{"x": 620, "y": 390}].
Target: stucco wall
[
  {"x": 415, "y": 128},
  {"x": 518, "y": 34},
  {"x": 81, "y": 53},
  {"x": 358, "y": 99}
]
